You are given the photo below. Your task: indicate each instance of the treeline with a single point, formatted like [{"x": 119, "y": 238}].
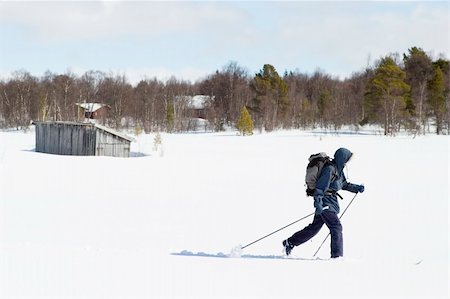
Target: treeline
[{"x": 410, "y": 93}]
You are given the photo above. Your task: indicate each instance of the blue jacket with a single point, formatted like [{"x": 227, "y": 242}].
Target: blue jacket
[{"x": 331, "y": 180}]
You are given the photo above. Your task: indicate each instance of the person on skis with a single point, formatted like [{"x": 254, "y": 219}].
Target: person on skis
[{"x": 329, "y": 182}]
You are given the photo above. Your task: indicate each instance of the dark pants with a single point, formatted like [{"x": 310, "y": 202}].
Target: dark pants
[{"x": 332, "y": 222}]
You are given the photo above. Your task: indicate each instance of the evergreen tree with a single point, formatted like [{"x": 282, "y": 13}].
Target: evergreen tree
[
  {"x": 444, "y": 65},
  {"x": 436, "y": 100},
  {"x": 170, "y": 117},
  {"x": 271, "y": 101},
  {"x": 138, "y": 129},
  {"x": 387, "y": 95},
  {"x": 419, "y": 69},
  {"x": 245, "y": 123},
  {"x": 323, "y": 105}
]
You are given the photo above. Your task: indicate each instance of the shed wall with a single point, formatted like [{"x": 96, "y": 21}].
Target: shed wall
[
  {"x": 111, "y": 145},
  {"x": 65, "y": 139}
]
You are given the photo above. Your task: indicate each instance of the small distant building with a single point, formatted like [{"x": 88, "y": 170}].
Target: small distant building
[
  {"x": 198, "y": 105},
  {"x": 195, "y": 111},
  {"x": 80, "y": 139},
  {"x": 94, "y": 110}
]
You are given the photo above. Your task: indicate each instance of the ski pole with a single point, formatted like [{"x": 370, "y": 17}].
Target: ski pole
[
  {"x": 339, "y": 219},
  {"x": 277, "y": 230}
]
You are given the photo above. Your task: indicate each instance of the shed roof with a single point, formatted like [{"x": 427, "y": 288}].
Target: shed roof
[{"x": 114, "y": 132}]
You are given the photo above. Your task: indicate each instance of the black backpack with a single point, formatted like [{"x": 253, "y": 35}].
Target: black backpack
[{"x": 315, "y": 166}]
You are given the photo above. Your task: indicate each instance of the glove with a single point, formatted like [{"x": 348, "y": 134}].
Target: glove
[
  {"x": 318, "y": 204},
  {"x": 360, "y": 188}
]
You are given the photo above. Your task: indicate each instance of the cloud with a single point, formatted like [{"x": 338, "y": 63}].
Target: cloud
[
  {"x": 185, "y": 38},
  {"x": 93, "y": 20},
  {"x": 345, "y": 36}
]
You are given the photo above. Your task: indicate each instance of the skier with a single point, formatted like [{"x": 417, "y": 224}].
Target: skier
[{"x": 329, "y": 182}]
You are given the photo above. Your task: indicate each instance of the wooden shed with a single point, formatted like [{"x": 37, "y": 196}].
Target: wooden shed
[{"x": 80, "y": 139}]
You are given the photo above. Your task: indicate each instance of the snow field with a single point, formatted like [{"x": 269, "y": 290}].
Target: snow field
[{"x": 112, "y": 227}]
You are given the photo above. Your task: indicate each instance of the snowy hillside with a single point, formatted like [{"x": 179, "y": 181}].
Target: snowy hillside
[{"x": 160, "y": 225}]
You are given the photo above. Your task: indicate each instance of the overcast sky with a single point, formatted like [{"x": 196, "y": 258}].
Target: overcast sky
[{"x": 189, "y": 40}]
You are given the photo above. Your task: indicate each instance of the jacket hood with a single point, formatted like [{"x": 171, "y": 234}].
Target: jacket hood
[{"x": 341, "y": 157}]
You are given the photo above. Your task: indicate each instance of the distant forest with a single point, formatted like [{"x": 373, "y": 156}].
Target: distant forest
[{"x": 399, "y": 92}]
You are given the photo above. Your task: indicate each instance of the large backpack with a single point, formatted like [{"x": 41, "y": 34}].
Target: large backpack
[{"x": 315, "y": 166}]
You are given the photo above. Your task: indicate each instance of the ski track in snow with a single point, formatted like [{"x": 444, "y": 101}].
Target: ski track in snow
[{"x": 244, "y": 256}]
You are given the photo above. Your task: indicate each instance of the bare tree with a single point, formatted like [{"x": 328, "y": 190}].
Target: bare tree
[
  {"x": 115, "y": 91},
  {"x": 229, "y": 91},
  {"x": 18, "y": 100},
  {"x": 147, "y": 103}
]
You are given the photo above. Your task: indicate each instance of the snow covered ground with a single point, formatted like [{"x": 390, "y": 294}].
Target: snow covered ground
[{"x": 160, "y": 226}]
